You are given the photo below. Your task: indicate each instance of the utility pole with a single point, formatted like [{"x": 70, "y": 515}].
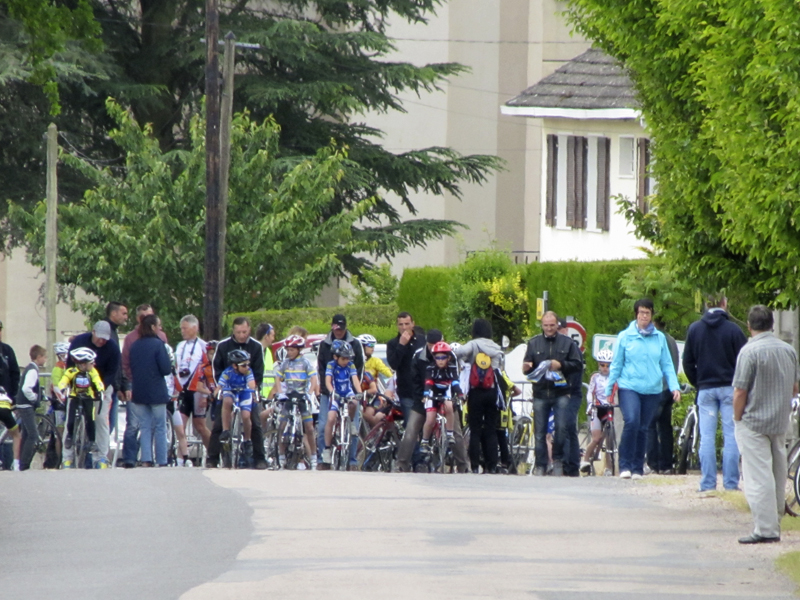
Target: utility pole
[
  {"x": 215, "y": 224},
  {"x": 51, "y": 242},
  {"x": 225, "y": 148}
]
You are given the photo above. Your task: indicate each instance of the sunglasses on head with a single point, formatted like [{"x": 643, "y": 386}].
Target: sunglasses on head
[{"x": 442, "y": 357}]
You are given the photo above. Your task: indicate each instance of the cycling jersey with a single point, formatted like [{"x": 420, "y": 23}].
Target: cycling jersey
[
  {"x": 82, "y": 383},
  {"x": 6, "y": 414},
  {"x": 341, "y": 377},
  {"x": 204, "y": 374},
  {"x": 234, "y": 384},
  {"x": 596, "y": 394},
  {"x": 375, "y": 366},
  {"x": 295, "y": 375}
]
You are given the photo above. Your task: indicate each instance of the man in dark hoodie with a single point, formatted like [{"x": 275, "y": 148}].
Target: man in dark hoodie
[{"x": 709, "y": 361}]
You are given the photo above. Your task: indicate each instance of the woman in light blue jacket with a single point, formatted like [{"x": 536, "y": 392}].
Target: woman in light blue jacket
[{"x": 641, "y": 363}]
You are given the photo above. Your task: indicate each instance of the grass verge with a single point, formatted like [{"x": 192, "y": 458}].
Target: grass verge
[{"x": 789, "y": 565}]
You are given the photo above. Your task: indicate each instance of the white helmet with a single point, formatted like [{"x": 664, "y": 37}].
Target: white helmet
[
  {"x": 605, "y": 355},
  {"x": 170, "y": 353},
  {"x": 454, "y": 346},
  {"x": 367, "y": 340},
  {"x": 61, "y": 348},
  {"x": 80, "y": 355}
]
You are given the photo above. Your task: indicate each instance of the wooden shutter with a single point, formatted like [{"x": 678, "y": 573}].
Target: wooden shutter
[
  {"x": 603, "y": 183},
  {"x": 581, "y": 180},
  {"x": 571, "y": 181},
  {"x": 642, "y": 163},
  {"x": 552, "y": 178}
]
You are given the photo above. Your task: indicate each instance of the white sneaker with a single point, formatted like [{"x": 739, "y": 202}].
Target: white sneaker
[
  {"x": 179, "y": 462},
  {"x": 586, "y": 467},
  {"x": 326, "y": 456},
  {"x": 301, "y": 466},
  {"x": 636, "y": 476},
  {"x": 282, "y": 461},
  {"x": 313, "y": 462},
  {"x": 188, "y": 463},
  {"x": 15, "y": 465},
  {"x": 625, "y": 475}
]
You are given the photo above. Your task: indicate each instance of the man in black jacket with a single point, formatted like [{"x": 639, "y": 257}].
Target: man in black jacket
[
  {"x": 549, "y": 394},
  {"x": 400, "y": 353},
  {"x": 116, "y": 315},
  {"x": 572, "y": 450},
  {"x": 9, "y": 368},
  {"x": 240, "y": 340},
  {"x": 709, "y": 361}
]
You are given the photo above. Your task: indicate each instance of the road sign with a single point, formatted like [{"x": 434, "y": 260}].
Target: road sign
[
  {"x": 602, "y": 341},
  {"x": 577, "y": 332},
  {"x": 539, "y": 308}
]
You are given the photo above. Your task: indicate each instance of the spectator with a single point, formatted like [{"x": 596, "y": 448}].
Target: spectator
[
  {"x": 660, "y": 436},
  {"x": 265, "y": 334},
  {"x": 641, "y": 361},
  {"x": 26, "y": 403},
  {"x": 572, "y": 449},
  {"x": 763, "y": 385},
  {"x": 9, "y": 368},
  {"x": 116, "y": 316},
  {"x": 399, "y": 353},
  {"x": 107, "y": 365},
  {"x": 709, "y": 361},
  {"x": 150, "y": 364},
  {"x": 189, "y": 355}
]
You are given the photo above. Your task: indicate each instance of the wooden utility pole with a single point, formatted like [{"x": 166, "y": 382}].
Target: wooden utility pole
[
  {"x": 51, "y": 242},
  {"x": 225, "y": 144},
  {"x": 215, "y": 220}
]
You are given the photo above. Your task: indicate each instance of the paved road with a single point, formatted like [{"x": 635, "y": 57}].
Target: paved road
[{"x": 134, "y": 534}]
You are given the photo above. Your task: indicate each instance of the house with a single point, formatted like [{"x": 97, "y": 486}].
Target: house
[{"x": 596, "y": 150}]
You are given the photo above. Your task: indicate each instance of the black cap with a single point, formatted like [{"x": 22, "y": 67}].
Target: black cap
[
  {"x": 338, "y": 322},
  {"x": 562, "y": 323},
  {"x": 433, "y": 336}
]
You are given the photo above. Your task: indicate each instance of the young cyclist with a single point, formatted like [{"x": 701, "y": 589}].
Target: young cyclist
[
  {"x": 57, "y": 408},
  {"x": 237, "y": 384},
  {"x": 598, "y": 407},
  {"x": 341, "y": 381},
  {"x": 373, "y": 365},
  {"x": 376, "y": 407},
  {"x": 441, "y": 383},
  {"x": 296, "y": 376},
  {"x": 7, "y": 419},
  {"x": 82, "y": 385}
]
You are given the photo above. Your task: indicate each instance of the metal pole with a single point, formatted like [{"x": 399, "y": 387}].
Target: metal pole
[
  {"x": 51, "y": 242},
  {"x": 214, "y": 278}
]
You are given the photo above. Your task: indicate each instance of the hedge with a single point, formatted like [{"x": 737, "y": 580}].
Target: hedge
[{"x": 424, "y": 293}]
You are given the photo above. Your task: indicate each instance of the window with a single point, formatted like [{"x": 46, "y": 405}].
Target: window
[
  {"x": 627, "y": 157},
  {"x": 577, "y": 185}
]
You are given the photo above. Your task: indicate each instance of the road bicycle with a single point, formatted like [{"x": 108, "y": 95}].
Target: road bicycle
[
  {"x": 688, "y": 438},
  {"x": 793, "y": 462},
  {"x": 340, "y": 443},
  {"x": 292, "y": 435},
  {"x": 232, "y": 454},
  {"x": 81, "y": 445},
  {"x": 441, "y": 458},
  {"x": 523, "y": 445},
  {"x": 608, "y": 447},
  {"x": 378, "y": 450}
]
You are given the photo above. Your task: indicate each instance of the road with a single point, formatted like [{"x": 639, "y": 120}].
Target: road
[{"x": 219, "y": 534}]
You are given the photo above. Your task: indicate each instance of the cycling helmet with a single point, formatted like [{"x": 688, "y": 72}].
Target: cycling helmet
[
  {"x": 367, "y": 340},
  {"x": 441, "y": 348},
  {"x": 294, "y": 341},
  {"x": 455, "y": 346},
  {"x": 170, "y": 353},
  {"x": 81, "y": 355},
  {"x": 343, "y": 349},
  {"x": 605, "y": 355},
  {"x": 61, "y": 348},
  {"x": 238, "y": 356}
]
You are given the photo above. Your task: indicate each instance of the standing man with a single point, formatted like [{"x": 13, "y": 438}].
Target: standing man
[
  {"x": 107, "y": 365},
  {"x": 338, "y": 331},
  {"x": 763, "y": 385},
  {"x": 9, "y": 368},
  {"x": 189, "y": 354},
  {"x": 572, "y": 448},
  {"x": 399, "y": 353},
  {"x": 265, "y": 334},
  {"x": 660, "y": 435},
  {"x": 548, "y": 392},
  {"x": 240, "y": 340},
  {"x": 116, "y": 316},
  {"x": 709, "y": 361}
]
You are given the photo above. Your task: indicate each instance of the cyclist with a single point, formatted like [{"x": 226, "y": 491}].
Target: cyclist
[
  {"x": 341, "y": 381},
  {"x": 202, "y": 384},
  {"x": 373, "y": 365},
  {"x": 57, "y": 408},
  {"x": 175, "y": 391},
  {"x": 7, "y": 419},
  {"x": 441, "y": 383},
  {"x": 599, "y": 409},
  {"x": 237, "y": 384},
  {"x": 295, "y": 375},
  {"x": 83, "y": 386}
]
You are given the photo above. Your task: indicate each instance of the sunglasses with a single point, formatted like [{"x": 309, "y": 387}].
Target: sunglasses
[
  {"x": 442, "y": 357},
  {"x": 244, "y": 364}
]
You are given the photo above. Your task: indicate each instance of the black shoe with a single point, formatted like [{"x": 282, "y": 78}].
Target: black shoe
[
  {"x": 260, "y": 465},
  {"x": 757, "y": 539},
  {"x": 225, "y": 436}
]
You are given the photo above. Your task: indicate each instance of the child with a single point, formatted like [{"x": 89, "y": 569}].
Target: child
[
  {"x": 600, "y": 409},
  {"x": 7, "y": 419},
  {"x": 84, "y": 386},
  {"x": 341, "y": 381},
  {"x": 237, "y": 385},
  {"x": 27, "y": 401},
  {"x": 372, "y": 364},
  {"x": 57, "y": 408},
  {"x": 441, "y": 383},
  {"x": 295, "y": 375}
]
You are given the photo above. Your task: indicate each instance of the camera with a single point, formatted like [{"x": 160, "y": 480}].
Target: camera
[{"x": 183, "y": 372}]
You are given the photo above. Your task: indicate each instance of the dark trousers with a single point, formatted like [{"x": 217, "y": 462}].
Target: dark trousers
[
  {"x": 256, "y": 435},
  {"x": 27, "y": 426},
  {"x": 482, "y": 419},
  {"x": 572, "y": 449},
  {"x": 541, "y": 413},
  {"x": 660, "y": 436}
]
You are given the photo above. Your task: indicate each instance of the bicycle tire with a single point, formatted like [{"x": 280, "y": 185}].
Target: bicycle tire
[
  {"x": 45, "y": 428},
  {"x": 797, "y": 484},
  {"x": 792, "y": 481},
  {"x": 370, "y": 446},
  {"x": 237, "y": 439},
  {"x": 271, "y": 448},
  {"x": 610, "y": 446},
  {"x": 344, "y": 446},
  {"x": 521, "y": 445},
  {"x": 80, "y": 445},
  {"x": 685, "y": 443}
]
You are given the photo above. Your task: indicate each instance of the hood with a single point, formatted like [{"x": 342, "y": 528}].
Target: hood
[
  {"x": 715, "y": 317},
  {"x": 348, "y": 337}
]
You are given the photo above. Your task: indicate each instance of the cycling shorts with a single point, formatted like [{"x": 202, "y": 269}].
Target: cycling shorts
[
  {"x": 600, "y": 415},
  {"x": 193, "y": 404},
  {"x": 242, "y": 398},
  {"x": 302, "y": 406},
  {"x": 334, "y": 402},
  {"x": 175, "y": 413},
  {"x": 433, "y": 404},
  {"x": 7, "y": 418}
]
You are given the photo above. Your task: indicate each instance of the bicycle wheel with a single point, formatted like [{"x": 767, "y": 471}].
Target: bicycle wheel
[
  {"x": 521, "y": 448},
  {"x": 610, "y": 446},
  {"x": 237, "y": 439},
  {"x": 685, "y": 443},
  {"x": 46, "y": 428},
  {"x": 369, "y": 448},
  {"x": 80, "y": 444},
  {"x": 344, "y": 445},
  {"x": 793, "y": 482},
  {"x": 271, "y": 448}
]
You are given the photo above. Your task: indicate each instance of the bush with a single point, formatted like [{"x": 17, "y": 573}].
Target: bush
[{"x": 424, "y": 292}]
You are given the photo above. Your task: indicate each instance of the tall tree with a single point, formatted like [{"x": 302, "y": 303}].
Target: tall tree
[
  {"x": 718, "y": 84},
  {"x": 318, "y": 66}
]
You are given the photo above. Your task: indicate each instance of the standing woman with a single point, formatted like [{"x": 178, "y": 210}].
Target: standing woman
[
  {"x": 641, "y": 363},
  {"x": 149, "y": 365},
  {"x": 482, "y": 398}
]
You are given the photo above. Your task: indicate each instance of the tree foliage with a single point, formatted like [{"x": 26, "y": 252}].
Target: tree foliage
[
  {"x": 138, "y": 235},
  {"x": 718, "y": 84},
  {"x": 375, "y": 285}
]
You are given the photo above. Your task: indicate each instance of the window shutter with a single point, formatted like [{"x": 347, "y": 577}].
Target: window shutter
[
  {"x": 603, "y": 183},
  {"x": 642, "y": 162},
  {"x": 581, "y": 179},
  {"x": 552, "y": 178},
  {"x": 571, "y": 194}
]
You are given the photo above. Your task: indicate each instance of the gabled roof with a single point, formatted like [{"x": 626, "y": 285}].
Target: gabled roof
[{"x": 592, "y": 85}]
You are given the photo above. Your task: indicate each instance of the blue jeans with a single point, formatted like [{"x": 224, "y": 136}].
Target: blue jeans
[
  {"x": 541, "y": 413},
  {"x": 152, "y": 422},
  {"x": 638, "y": 411},
  {"x": 710, "y": 402},
  {"x": 130, "y": 441}
]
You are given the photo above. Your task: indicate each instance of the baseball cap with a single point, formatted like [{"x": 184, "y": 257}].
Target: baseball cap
[
  {"x": 339, "y": 322},
  {"x": 433, "y": 336},
  {"x": 102, "y": 330}
]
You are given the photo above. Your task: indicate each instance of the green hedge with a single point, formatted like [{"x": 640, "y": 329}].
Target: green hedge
[
  {"x": 424, "y": 293},
  {"x": 380, "y": 318}
]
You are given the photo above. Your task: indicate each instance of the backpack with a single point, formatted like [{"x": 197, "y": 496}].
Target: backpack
[{"x": 481, "y": 374}]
